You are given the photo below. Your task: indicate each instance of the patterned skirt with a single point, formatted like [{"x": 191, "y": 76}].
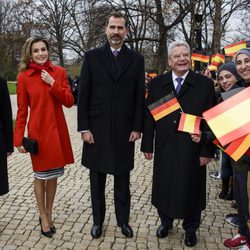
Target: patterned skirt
[{"x": 49, "y": 174}]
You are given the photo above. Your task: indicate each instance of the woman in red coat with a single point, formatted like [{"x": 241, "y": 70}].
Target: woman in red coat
[{"x": 43, "y": 88}]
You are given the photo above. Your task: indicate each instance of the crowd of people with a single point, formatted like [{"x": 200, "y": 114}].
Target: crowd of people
[{"x": 112, "y": 115}]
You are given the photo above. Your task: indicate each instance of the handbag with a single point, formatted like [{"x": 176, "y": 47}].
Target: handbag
[{"x": 30, "y": 145}]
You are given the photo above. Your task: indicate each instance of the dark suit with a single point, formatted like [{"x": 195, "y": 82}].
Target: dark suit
[
  {"x": 6, "y": 135},
  {"x": 179, "y": 182},
  {"x": 110, "y": 105}
]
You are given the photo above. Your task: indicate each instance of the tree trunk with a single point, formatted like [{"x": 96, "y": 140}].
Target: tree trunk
[
  {"x": 162, "y": 49},
  {"x": 217, "y": 27}
]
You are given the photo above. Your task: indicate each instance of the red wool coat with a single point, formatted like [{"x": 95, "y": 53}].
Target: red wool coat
[{"x": 46, "y": 121}]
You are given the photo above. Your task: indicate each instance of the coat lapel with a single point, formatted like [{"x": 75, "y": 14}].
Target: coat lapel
[
  {"x": 167, "y": 83},
  {"x": 105, "y": 57},
  {"x": 189, "y": 82},
  {"x": 125, "y": 58}
]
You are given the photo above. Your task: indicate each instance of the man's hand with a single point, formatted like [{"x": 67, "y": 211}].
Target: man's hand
[
  {"x": 87, "y": 137},
  {"x": 195, "y": 137},
  {"x": 148, "y": 156},
  {"x": 204, "y": 161},
  {"x": 134, "y": 136}
]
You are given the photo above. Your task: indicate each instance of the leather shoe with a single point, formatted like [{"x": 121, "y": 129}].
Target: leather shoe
[
  {"x": 126, "y": 230},
  {"x": 190, "y": 239},
  {"x": 96, "y": 231},
  {"x": 162, "y": 231}
]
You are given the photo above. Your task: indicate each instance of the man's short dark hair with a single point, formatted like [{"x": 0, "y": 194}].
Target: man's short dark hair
[{"x": 117, "y": 14}]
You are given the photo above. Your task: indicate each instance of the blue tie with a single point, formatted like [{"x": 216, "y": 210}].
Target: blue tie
[{"x": 179, "y": 81}]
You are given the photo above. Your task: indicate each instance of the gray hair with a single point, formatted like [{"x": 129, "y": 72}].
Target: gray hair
[{"x": 177, "y": 44}]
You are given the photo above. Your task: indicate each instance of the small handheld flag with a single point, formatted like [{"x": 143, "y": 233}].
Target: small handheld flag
[
  {"x": 189, "y": 123},
  {"x": 164, "y": 106}
]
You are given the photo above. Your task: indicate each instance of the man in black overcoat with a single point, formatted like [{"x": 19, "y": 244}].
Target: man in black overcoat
[
  {"x": 179, "y": 173},
  {"x": 110, "y": 119},
  {"x": 6, "y": 135}
]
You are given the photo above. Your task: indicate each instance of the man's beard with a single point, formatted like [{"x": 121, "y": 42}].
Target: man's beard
[{"x": 116, "y": 41}]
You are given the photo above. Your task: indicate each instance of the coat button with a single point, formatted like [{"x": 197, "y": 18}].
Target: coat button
[{"x": 174, "y": 121}]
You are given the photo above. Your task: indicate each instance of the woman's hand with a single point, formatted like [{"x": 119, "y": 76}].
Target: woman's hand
[
  {"x": 21, "y": 150},
  {"x": 46, "y": 77}
]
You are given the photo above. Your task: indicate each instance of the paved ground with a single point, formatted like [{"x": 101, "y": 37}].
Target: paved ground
[{"x": 19, "y": 227}]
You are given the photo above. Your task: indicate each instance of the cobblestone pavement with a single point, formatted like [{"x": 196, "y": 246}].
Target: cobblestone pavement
[{"x": 19, "y": 227}]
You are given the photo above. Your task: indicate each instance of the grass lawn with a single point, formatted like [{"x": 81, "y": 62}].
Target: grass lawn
[{"x": 12, "y": 87}]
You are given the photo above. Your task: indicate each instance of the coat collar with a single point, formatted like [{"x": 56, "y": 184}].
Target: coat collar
[
  {"x": 125, "y": 58},
  {"x": 31, "y": 71},
  {"x": 189, "y": 81}
]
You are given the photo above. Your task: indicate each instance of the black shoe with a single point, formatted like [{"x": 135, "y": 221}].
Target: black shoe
[
  {"x": 48, "y": 233},
  {"x": 190, "y": 239},
  {"x": 162, "y": 231},
  {"x": 233, "y": 219},
  {"x": 234, "y": 205},
  {"x": 96, "y": 231},
  {"x": 53, "y": 229},
  {"x": 229, "y": 195},
  {"x": 126, "y": 230}
]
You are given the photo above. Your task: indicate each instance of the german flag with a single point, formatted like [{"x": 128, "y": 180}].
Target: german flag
[
  {"x": 230, "y": 119},
  {"x": 189, "y": 123},
  {"x": 164, "y": 106},
  {"x": 231, "y": 49},
  {"x": 200, "y": 57}
]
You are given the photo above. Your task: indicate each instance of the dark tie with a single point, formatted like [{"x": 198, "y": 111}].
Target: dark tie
[{"x": 179, "y": 81}]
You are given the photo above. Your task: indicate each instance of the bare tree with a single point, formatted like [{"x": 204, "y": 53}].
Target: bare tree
[{"x": 55, "y": 20}]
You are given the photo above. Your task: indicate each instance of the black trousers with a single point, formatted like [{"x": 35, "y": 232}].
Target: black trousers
[
  {"x": 121, "y": 197},
  {"x": 241, "y": 197},
  {"x": 189, "y": 224}
]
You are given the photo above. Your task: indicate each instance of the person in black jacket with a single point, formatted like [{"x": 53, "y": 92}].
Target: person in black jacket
[
  {"x": 6, "y": 135},
  {"x": 179, "y": 172},
  {"x": 110, "y": 119}
]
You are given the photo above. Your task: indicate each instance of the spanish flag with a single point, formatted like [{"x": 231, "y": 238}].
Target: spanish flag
[
  {"x": 230, "y": 119},
  {"x": 217, "y": 59},
  {"x": 200, "y": 57},
  {"x": 237, "y": 148},
  {"x": 189, "y": 123},
  {"x": 164, "y": 106},
  {"x": 231, "y": 49},
  {"x": 212, "y": 67}
]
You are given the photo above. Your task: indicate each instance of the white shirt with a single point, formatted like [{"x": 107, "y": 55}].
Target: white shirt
[{"x": 174, "y": 76}]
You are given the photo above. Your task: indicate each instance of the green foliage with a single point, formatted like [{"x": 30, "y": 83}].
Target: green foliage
[{"x": 12, "y": 87}]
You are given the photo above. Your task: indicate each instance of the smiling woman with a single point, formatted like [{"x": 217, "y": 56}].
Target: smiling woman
[{"x": 44, "y": 88}]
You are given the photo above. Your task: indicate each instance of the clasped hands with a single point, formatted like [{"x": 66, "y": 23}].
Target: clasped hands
[{"x": 89, "y": 138}]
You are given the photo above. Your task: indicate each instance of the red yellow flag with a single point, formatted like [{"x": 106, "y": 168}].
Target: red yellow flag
[
  {"x": 200, "y": 57},
  {"x": 230, "y": 119},
  {"x": 217, "y": 59},
  {"x": 189, "y": 123},
  {"x": 164, "y": 106},
  {"x": 237, "y": 148},
  {"x": 231, "y": 49},
  {"x": 212, "y": 67}
]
